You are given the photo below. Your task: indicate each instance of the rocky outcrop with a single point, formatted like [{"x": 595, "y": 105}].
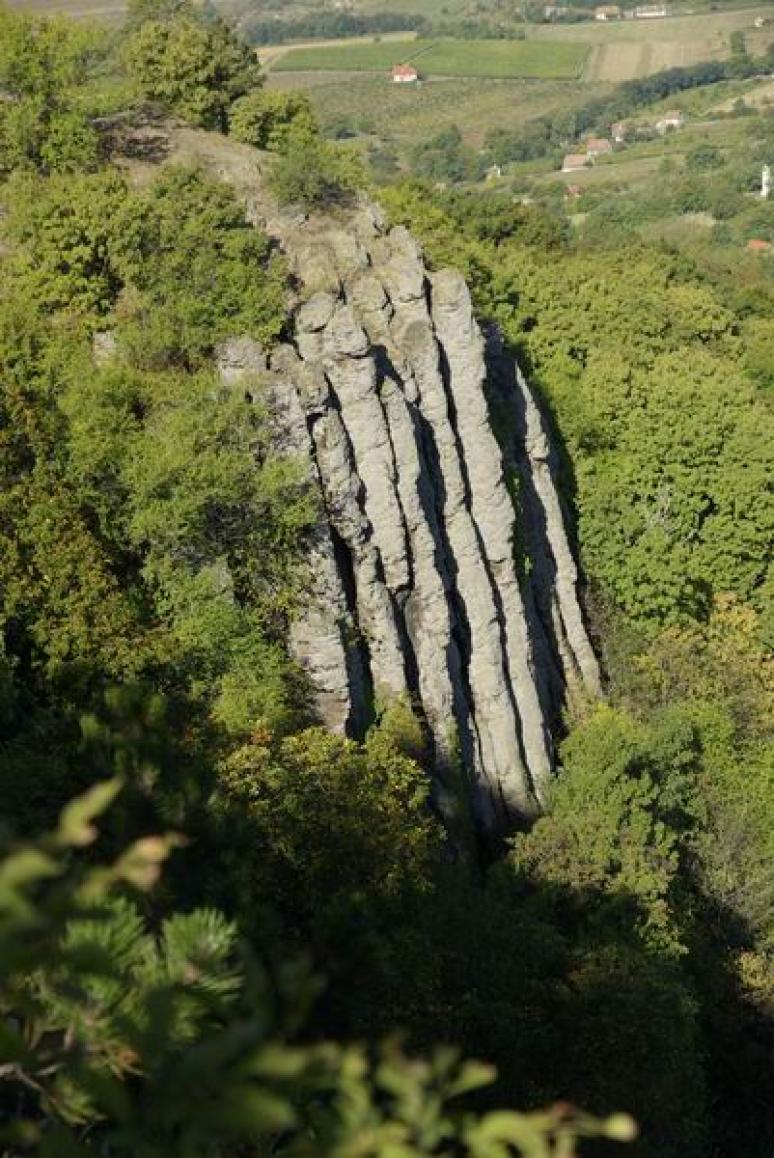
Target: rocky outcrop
[{"x": 419, "y": 580}]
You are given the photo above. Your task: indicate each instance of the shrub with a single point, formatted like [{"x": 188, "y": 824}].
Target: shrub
[
  {"x": 314, "y": 172},
  {"x": 272, "y": 120}
]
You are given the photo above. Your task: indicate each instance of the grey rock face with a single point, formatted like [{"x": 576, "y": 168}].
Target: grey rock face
[
  {"x": 417, "y": 586},
  {"x": 240, "y": 361},
  {"x": 556, "y": 574},
  {"x": 567, "y": 666}
]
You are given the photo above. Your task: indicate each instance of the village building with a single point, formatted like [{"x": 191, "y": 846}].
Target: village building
[
  {"x": 598, "y": 146},
  {"x": 575, "y": 161},
  {"x": 556, "y": 12},
  {"x": 650, "y": 11},
  {"x": 619, "y": 132},
  {"x": 607, "y": 12},
  {"x": 670, "y": 120},
  {"x": 404, "y": 74},
  {"x": 758, "y": 245},
  {"x": 573, "y": 192}
]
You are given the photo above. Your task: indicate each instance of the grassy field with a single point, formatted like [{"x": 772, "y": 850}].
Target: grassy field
[
  {"x": 627, "y": 49},
  {"x": 627, "y": 60},
  {"x": 502, "y": 59},
  {"x": 405, "y": 114},
  {"x": 351, "y": 56},
  {"x": 715, "y": 27},
  {"x": 105, "y": 11}
]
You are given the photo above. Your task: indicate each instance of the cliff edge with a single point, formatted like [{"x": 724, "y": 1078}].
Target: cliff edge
[{"x": 441, "y": 567}]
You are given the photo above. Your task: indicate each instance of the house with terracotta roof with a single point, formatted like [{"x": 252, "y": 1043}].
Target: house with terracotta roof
[
  {"x": 575, "y": 161},
  {"x": 598, "y": 146},
  {"x": 758, "y": 245},
  {"x": 619, "y": 131},
  {"x": 404, "y": 74},
  {"x": 671, "y": 120}
]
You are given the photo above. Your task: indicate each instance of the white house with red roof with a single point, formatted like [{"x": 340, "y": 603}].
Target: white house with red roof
[{"x": 404, "y": 74}]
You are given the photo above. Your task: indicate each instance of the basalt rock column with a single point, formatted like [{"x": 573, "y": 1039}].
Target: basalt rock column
[{"x": 388, "y": 373}]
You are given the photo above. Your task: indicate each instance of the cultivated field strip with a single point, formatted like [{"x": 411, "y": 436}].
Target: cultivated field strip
[{"x": 497, "y": 59}]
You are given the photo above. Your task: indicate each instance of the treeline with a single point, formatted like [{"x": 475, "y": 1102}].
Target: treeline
[
  {"x": 544, "y": 136},
  {"x": 329, "y": 26},
  {"x": 477, "y": 29}
]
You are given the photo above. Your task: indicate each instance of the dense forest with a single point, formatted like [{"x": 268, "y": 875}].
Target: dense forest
[{"x": 225, "y": 930}]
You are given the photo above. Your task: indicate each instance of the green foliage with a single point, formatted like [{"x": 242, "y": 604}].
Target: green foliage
[
  {"x": 116, "y": 1036},
  {"x": 606, "y": 827},
  {"x": 43, "y": 57},
  {"x": 51, "y": 140},
  {"x": 203, "y": 274},
  {"x": 198, "y": 69},
  {"x": 41, "y": 64},
  {"x": 188, "y": 267},
  {"x": 638, "y": 360},
  {"x": 272, "y": 120},
  {"x": 151, "y": 547},
  {"x": 314, "y": 172},
  {"x": 147, "y": 524},
  {"x": 327, "y": 815},
  {"x": 444, "y": 157},
  {"x": 66, "y": 228}
]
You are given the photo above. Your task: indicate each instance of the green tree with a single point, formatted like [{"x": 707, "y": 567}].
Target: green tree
[
  {"x": 326, "y": 816},
  {"x": 42, "y": 63},
  {"x": 608, "y": 825},
  {"x": 66, "y": 228},
  {"x": 201, "y": 272},
  {"x": 198, "y": 69}
]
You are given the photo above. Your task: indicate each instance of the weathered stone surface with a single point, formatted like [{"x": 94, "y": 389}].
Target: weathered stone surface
[
  {"x": 348, "y": 252},
  {"x": 344, "y": 336},
  {"x": 417, "y": 589},
  {"x": 502, "y": 777},
  {"x": 491, "y": 508},
  {"x": 240, "y": 361},
  {"x": 375, "y": 611},
  {"x": 414, "y": 584},
  {"x": 315, "y": 313},
  {"x": 556, "y": 578}
]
